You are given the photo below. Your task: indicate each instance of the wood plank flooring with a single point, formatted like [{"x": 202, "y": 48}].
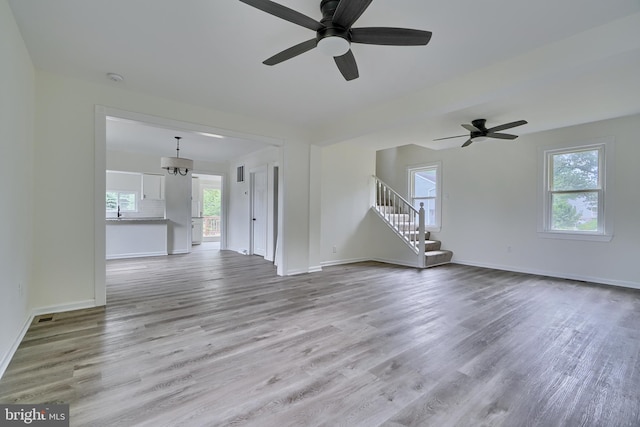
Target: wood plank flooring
[{"x": 215, "y": 338}]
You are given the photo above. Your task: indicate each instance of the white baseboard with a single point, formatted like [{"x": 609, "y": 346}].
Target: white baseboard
[
  {"x": 180, "y": 252},
  {"x": 404, "y": 263},
  {"x": 296, "y": 272},
  {"x": 78, "y": 305},
  {"x": 137, "y": 255},
  {"x": 344, "y": 261},
  {"x": 4, "y": 363},
  {"x": 591, "y": 279}
]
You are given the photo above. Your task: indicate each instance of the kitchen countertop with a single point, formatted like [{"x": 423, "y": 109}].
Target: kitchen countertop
[{"x": 154, "y": 220}]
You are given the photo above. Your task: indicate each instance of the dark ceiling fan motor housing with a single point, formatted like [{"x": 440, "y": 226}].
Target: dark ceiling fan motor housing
[
  {"x": 328, "y": 9},
  {"x": 478, "y": 129},
  {"x": 338, "y": 16},
  {"x": 479, "y": 124}
]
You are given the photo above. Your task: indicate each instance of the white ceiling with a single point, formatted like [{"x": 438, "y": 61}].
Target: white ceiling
[
  {"x": 553, "y": 63},
  {"x": 139, "y": 137}
]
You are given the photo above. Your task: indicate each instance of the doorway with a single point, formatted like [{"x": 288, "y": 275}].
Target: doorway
[
  {"x": 101, "y": 115},
  {"x": 259, "y": 194},
  {"x": 208, "y": 207}
]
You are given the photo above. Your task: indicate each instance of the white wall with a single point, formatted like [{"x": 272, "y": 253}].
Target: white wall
[
  {"x": 386, "y": 246},
  {"x": 17, "y": 87},
  {"x": 346, "y": 198},
  {"x": 315, "y": 208},
  {"x": 65, "y": 109},
  {"x": 238, "y": 230},
  {"x": 295, "y": 190},
  {"x": 124, "y": 181},
  {"x": 177, "y": 196},
  {"x": 490, "y": 204},
  {"x": 139, "y": 162}
]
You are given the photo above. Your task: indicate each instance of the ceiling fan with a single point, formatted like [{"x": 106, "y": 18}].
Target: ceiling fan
[
  {"x": 479, "y": 131},
  {"x": 334, "y": 34}
]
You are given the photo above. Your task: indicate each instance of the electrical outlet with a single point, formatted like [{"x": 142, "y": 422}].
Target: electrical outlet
[
  {"x": 335, "y": 249},
  {"x": 508, "y": 248},
  {"x": 20, "y": 289}
]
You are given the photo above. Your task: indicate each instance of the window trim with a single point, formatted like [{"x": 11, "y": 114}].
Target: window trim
[
  {"x": 605, "y": 190},
  {"x": 438, "y": 197},
  {"x": 136, "y": 195}
]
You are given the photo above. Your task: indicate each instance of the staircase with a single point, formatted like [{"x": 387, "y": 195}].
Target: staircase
[{"x": 409, "y": 224}]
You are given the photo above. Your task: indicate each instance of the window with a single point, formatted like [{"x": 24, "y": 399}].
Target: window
[
  {"x": 125, "y": 199},
  {"x": 574, "y": 192},
  {"x": 424, "y": 187}
]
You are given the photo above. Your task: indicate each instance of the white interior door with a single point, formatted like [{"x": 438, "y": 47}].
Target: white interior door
[{"x": 259, "y": 211}]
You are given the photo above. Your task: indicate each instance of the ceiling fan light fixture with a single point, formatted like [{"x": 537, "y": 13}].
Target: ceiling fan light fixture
[
  {"x": 480, "y": 139},
  {"x": 334, "y": 45}
]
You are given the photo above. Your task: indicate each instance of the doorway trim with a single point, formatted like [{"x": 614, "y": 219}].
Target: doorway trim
[
  {"x": 101, "y": 113},
  {"x": 262, "y": 169}
]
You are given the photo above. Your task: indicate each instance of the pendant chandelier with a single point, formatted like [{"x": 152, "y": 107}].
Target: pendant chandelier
[{"x": 176, "y": 165}]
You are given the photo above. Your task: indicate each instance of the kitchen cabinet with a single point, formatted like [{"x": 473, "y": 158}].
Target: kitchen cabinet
[
  {"x": 135, "y": 237},
  {"x": 152, "y": 186},
  {"x": 196, "y": 230}
]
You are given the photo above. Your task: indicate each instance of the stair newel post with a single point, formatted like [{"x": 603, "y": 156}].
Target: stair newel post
[{"x": 421, "y": 237}]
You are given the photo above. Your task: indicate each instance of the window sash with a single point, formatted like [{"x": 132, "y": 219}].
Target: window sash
[
  {"x": 127, "y": 200},
  {"x": 552, "y": 221},
  {"x": 551, "y": 193},
  {"x": 431, "y": 200},
  {"x": 550, "y": 161}
]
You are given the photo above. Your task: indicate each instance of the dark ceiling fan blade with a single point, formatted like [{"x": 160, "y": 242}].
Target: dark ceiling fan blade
[
  {"x": 451, "y": 137},
  {"x": 348, "y": 12},
  {"x": 471, "y": 128},
  {"x": 390, "y": 36},
  {"x": 285, "y": 13},
  {"x": 292, "y": 52},
  {"x": 469, "y": 141},
  {"x": 347, "y": 65},
  {"x": 501, "y": 135},
  {"x": 507, "y": 126}
]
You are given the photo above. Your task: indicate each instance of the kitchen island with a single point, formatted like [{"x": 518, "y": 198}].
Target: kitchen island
[{"x": 135, "y": 237}]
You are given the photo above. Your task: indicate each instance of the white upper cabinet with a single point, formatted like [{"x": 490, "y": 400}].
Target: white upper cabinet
[{"x": 152, "y": 186}]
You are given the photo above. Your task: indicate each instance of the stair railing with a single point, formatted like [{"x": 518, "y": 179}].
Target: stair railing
[{"x": 401, "y": 217}]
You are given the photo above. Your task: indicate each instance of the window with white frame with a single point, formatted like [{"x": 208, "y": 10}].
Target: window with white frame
[
  {"x": 424, "y": 187},
  {"x": 574, "y": 192},
  {"x": 126, "y": 200}
]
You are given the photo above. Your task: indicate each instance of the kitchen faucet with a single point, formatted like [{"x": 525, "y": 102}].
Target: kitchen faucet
[{"x": 119, "y": 214}]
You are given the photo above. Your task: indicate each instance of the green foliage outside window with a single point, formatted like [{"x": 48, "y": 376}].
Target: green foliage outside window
[
  {"x": 125, "y": 199},
  {"x": 574, "y": 207},
  {"x": 211, "y": 202},
  {"x": 565, "y": 216}
]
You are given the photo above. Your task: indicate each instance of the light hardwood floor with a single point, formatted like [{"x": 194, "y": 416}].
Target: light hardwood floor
[{"x": 215, "y": 338}]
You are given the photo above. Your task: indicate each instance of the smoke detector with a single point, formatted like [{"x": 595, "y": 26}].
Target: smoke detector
[{"x": 115, "y": 77}]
